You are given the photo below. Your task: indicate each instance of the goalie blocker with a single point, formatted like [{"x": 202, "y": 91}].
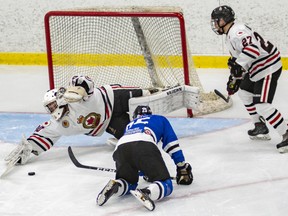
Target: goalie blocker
[{"x": 168, "y": 100}]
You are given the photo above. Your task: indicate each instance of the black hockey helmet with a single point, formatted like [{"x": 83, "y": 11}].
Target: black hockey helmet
[
  {"x": 141, "y": 110},
  {"x": 222, "y": 12}
]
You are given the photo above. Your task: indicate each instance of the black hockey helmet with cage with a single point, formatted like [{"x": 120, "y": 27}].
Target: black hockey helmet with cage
[
  {"x": 141, "y": 110},
  {"x": 225, "y": 12},
  {"x": 222, "y": 12}
]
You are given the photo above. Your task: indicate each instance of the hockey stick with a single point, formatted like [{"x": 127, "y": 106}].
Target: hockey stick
[
  {"x": 222, "y": 96},
  {"x": 79, "y": 165},
  {"x": 10, "y": 166}
]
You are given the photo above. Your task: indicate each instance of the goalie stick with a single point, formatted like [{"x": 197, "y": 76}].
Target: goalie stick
[
  {"x": 222, "y": 96},
  {"x": 79, "y": 165},
  {"x": 10, "y": 166}
]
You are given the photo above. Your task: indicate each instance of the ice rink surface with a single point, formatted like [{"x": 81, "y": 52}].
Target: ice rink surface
[{"x": 233, "y": 175}]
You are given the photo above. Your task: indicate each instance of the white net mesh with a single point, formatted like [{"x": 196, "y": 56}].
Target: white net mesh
[{"x": 143, "y": 47}]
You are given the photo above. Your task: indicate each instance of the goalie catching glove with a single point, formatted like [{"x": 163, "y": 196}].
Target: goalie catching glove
[
  {"x": 184, "y": 174},
  {"x": 75, "y": 94},
  {"x": 80, "y": 87}
]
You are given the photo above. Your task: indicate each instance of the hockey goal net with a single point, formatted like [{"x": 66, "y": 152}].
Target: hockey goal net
[{"x": 132, "y": 46}]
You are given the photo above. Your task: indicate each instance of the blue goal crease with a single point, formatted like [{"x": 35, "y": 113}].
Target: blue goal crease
[{"x": 13, "y": 125}]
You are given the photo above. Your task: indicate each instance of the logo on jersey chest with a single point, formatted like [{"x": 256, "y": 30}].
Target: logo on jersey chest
[
  {"x": 40, "y": 127},
  {"x": 90, "y": 121},
  {"x": 65, "y": 124},
  {"x": 239, "y": 33}
]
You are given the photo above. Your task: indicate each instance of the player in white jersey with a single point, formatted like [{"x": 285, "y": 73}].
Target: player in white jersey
[
  {"x": 137, "y": 151},
  {"x": 79, "y": 109},
  {"x": 83, "y": 109},
  {"x": 255, "y": 66}
]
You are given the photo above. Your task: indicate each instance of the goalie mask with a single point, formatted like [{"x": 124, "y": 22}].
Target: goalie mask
[
  {"x": 55, "y": 104},
  {"x": 84, "y": 81},
  {"x": 141, "y": 110},
  {"x": 220, "y": 17}
]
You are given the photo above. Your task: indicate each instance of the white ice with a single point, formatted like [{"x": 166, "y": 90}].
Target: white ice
[{"x": 233, "y": 176}]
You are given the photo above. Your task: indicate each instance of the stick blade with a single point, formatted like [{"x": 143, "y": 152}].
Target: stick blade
[
  {"x": 222, "y": 96},
  {"x": 10, "y": 166}
]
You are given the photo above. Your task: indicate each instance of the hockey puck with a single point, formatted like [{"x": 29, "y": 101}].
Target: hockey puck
[{"x": 31, "y": 173}]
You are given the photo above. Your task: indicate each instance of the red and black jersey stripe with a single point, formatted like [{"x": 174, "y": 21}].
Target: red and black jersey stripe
[
  {"x": 43, "y": 142},
  {"x": 264, "y": 63}
]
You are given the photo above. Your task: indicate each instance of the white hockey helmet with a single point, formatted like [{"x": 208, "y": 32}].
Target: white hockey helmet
[
  {"x": 84, "y": 81},
  {"x": 55, "y": 104}
]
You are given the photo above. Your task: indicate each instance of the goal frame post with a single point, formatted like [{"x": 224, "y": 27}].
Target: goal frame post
[
  {"x": 116, "y": 14},
  {"x": 210, "y": 102}
]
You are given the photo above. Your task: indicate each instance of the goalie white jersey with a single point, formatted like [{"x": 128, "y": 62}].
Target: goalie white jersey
[
  {"x": 105, "y": 110},
  {"x": 256, "y": 55},
  {"x": 89, "y": 117}
]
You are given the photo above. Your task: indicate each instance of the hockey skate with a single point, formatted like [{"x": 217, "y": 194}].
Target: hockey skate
[
  {"x": 142, "y": 195},
  {"x": 283, "y": 146},
  {"x": 110, "y": 189},
  {"x": 260, "y": 132}
]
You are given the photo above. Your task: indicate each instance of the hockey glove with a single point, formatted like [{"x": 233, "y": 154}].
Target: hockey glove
[
  {"x": 233, "y": 85},
  {"x": 236, "y": 70},
  {"x": 85, "y": 82},
  {"x": 21, "y": 153},
  {"x": 75, "y": 94},
  {"x": 184, "y": 174}
]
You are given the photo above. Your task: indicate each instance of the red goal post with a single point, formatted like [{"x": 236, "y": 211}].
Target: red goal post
[{"x": 131, "y": 46}]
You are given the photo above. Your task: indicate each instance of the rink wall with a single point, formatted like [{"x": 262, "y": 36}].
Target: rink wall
[{"x": 22, "y": 38}]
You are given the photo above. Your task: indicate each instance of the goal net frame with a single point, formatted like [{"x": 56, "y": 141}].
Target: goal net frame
[{"x": 190, "y": 76}]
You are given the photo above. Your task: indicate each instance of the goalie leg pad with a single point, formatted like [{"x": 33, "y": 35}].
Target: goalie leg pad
[
  {"x": 168, "y": 101},
  {"x": 191, "y": 97}
]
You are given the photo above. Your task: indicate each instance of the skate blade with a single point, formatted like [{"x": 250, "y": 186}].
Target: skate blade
[
  {"x": 147, "y": 202},
  {"x": 10, "y": 166},
  {"x": 260, "y": 137},
  {"x": 282, "y": 147},
  {"x": 283, "y": 150}
]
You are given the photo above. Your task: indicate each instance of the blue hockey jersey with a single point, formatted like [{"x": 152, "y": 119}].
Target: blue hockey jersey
[{"x": 156, "y": 129}]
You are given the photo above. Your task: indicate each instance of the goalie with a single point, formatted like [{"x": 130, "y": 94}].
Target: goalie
[{"x": 83, "y": 109}]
